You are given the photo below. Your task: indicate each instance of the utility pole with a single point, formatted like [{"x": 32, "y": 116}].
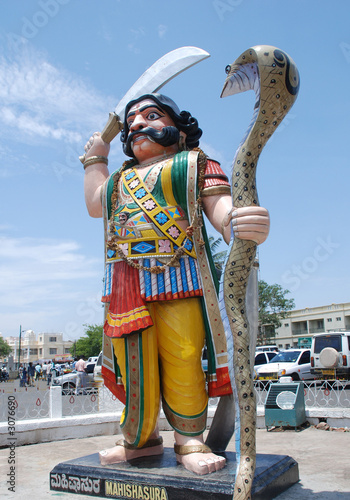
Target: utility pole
[{"x": 19, "y": 345}]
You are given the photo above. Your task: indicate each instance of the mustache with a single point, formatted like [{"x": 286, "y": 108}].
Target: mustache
[{"x": 165, "y": 137}]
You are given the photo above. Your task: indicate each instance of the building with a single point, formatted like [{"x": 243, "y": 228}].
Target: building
[
  {"x": 41, "y": 347},
  {"x": 301, "y": 324}
]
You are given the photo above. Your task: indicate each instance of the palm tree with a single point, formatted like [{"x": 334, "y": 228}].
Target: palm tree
[{"x": 218, "y": 257}]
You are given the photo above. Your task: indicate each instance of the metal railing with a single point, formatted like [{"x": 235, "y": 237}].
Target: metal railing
[
  {"x": 35, "y": 403},
  {"x": 317, "y": 393}
]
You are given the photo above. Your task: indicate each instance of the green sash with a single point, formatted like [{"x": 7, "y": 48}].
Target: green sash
[{"x": 160, "y": 217}]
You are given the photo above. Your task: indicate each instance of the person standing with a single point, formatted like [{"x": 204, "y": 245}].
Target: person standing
[
  {"x": 49, "y": 372},
  {"x": 31, "y": 373},
  {"x": 23, "y": 381},
  {"x": 38, "y": 372},
  {"x": 80, "y": 369}
]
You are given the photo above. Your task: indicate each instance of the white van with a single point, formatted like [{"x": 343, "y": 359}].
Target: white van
[{"x": 330, "y": 355}]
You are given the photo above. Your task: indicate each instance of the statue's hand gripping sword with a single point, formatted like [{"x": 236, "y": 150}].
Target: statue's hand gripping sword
[{"x": 152, "y": 80}]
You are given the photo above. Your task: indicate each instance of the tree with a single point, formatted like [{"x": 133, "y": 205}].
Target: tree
[
  {"x": 5, "y": 349},
  {"x": 218, "y": 257},
  {"x": 273, "y": 306},
  {"x": 91, "y": 344}
]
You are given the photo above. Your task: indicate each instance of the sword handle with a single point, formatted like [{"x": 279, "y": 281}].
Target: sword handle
[{"x": 111, "y": 130}]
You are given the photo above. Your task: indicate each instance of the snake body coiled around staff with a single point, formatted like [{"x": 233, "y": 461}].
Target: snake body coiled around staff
[{"x": 274, "y": 77}]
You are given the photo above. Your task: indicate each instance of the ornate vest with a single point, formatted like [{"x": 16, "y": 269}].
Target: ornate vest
[{"x": 146, "y": 228}]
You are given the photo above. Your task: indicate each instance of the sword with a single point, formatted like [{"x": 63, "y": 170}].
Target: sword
[{"x": 152, "y": 80}]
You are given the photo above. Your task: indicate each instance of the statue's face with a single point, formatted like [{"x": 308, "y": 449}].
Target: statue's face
[{"x": 148, "y": 114}]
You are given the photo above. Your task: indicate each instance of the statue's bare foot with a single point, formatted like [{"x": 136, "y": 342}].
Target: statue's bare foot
[
  {"x": 123, "y": 452},
  {"x": 195, "y": 456}
]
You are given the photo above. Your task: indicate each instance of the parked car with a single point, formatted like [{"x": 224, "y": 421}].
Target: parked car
[
  {"x": 97, "y": 371},
  {"x": 98, "y": 366},
  {"x": 92, "y": 359},
  {"x": 89, "y": 368},
  {"x": 330, "y": 355},
  {"x": 262, "y": 358},
  {"x": 273, "y": 348},
  {"x": 68, "y": 382},
  {"x": 294, "y": 363}
]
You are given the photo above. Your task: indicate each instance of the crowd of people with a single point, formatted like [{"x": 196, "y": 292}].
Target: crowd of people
[{"x": 30, "y": 373}]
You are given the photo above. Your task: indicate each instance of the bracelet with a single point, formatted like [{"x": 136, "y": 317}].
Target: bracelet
[{"x": 95, "y": 159}]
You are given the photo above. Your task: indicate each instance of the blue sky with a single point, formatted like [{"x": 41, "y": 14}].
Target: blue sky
[{"x": 64, "y": 64}]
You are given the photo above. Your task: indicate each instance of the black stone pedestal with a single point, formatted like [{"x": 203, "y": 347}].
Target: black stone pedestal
[{"x": 161, "y": 478}]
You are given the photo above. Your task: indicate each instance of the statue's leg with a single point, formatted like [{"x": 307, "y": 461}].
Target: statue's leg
[
  {"x": 181, "y": 333},
  {"x": 137, "y": 357}
]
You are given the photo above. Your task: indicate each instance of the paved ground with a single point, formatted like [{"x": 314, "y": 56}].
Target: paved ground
[{"x": 323, "y": 458}]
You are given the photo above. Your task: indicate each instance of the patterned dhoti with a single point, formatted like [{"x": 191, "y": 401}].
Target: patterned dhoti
[{"x": 164, "y": 361}]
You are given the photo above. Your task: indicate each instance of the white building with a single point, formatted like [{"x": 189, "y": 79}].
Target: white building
[
  {"x": 297, "y": 330},
  {"x": 42, "y": 347}
]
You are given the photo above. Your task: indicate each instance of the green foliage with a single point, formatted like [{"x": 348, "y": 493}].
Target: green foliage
[
  {"x": 218, "y": 257},
  {"x": 91, "y": 344},
  {"x": 273, "y": 306},
  {"x": 5, "y": 349}
]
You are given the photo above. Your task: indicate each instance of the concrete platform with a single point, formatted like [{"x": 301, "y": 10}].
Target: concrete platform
[
  {"x": 162, "y": 478},
  {"x": 322, "y": 456}
]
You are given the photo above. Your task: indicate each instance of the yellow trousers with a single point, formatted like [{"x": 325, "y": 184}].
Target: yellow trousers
[{"x": 164, "y": 360}]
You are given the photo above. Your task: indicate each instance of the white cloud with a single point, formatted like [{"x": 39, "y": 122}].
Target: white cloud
[
  {"x": 39, "y": 99},
  {"x": 162, "y": 30},
  {"x": 48, "y": 285},
  {"x": 33, "y": 271},
  {"x": 31, "y": 126},
  {"x": 216, "y": 155}
]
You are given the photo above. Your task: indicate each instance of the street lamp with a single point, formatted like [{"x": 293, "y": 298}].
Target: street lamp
[{"x": 19, "y": 345}]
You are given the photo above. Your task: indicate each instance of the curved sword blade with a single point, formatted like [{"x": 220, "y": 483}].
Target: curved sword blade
[
  {"x": 160, "y": 73},
  {"x": 152, "y": 80}
]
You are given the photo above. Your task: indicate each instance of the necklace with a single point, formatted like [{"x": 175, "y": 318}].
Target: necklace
[{"x": 197, "y": 221}]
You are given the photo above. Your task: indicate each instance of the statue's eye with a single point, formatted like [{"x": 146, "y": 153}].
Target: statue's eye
[
  {"x": 227, "y": 69},
  {"x": 153, "y": 115}
]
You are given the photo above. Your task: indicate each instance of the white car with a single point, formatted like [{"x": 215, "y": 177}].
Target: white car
[
  {"x": 68, "y": 382},
  {"x": 293, "y": 363},
  {"x": 266, "y": 348},
  {"x": 92, "y": 359},
  {"x": 262, "y": 358}
]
